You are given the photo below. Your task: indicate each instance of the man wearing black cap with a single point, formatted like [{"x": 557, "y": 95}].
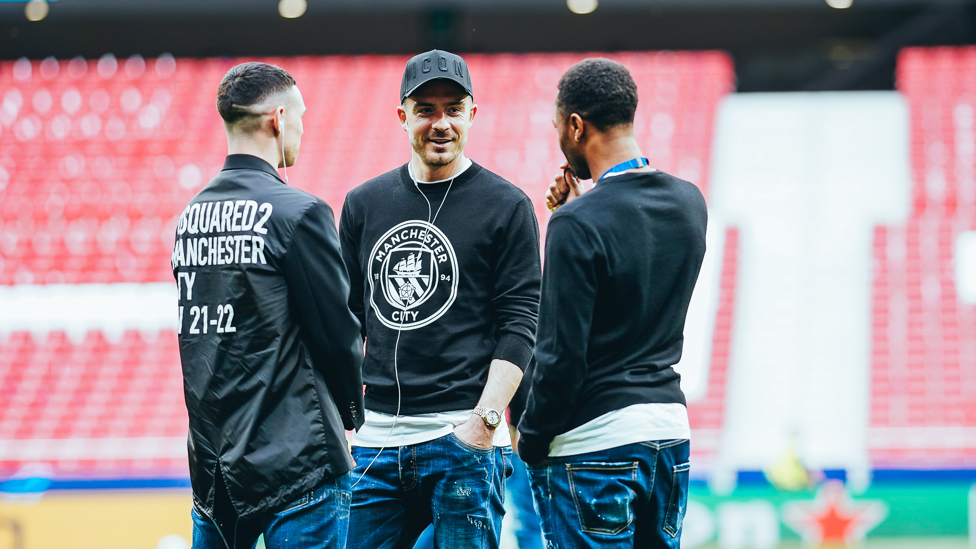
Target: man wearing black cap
[{"x": 443, "y": 258}]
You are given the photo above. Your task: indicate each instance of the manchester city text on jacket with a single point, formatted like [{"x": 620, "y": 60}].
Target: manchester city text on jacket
[{"x": 227, "y": 216}]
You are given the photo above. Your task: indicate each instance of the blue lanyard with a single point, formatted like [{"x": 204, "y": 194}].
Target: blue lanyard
[{"x": 624, "y": 166}]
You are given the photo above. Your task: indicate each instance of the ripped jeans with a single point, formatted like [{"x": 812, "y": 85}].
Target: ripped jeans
[
  {"x": 632, "y": 496},
  {"x": 456, "y": 487}
]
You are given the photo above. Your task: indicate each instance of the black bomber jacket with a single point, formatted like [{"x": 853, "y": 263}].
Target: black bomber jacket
[{"x": 271, "y": 354}]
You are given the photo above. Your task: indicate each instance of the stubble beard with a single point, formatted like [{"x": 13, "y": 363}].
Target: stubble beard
[
  {"x": 578, "y": 164},
  {"x": 437, "y": 160}
]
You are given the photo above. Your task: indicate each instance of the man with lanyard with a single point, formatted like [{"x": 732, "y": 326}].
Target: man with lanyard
[
  {"x": 271, "y": 353},
  {"x": 605, "y": 431},
  {"x": 443, "y": 257}
]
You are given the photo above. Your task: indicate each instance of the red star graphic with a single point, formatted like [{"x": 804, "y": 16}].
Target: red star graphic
[{"x": 832, "y": 519}]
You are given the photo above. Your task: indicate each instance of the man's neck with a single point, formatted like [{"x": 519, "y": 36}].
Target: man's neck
[
  {"x": 611, "y": 150},
  {"x": 265, "y": 149},
  {"x": 426, "y": 174}
]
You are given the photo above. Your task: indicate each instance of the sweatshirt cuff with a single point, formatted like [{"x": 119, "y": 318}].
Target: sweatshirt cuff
[
  {"x": 532, "y": 450},
  {"x": 514, "y": 349}
]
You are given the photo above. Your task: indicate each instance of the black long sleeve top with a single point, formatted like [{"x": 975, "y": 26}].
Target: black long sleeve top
[
  {"x": 621, "y": 264},
  {"x": 438, "y": 302}
]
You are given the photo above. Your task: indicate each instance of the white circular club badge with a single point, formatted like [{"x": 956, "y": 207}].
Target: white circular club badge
[{"x": 412, "y": 275}]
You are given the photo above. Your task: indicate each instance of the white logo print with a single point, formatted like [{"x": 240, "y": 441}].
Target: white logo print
[{"x": 412, "y": 275}]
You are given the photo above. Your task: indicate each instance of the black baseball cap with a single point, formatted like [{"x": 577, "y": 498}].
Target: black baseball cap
[{"x": 434, "y": 65}]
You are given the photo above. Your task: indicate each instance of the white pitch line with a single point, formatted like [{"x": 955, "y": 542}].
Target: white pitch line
[
  {"x": 92, "y": 449},
  {"x": 79, "y": 308}
]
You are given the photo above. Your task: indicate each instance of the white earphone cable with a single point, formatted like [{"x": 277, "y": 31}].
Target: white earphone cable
[
  {"x": 281, "y": 126},
  {"x": 396, "y": 370}
]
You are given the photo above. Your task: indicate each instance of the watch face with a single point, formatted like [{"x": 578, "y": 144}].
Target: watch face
[{"x": 492, "y": 417}]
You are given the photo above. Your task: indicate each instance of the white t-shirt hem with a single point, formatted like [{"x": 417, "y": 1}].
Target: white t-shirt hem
[
  {"x": 380, "y": 431},
  {"x": 636, "y": 423}
]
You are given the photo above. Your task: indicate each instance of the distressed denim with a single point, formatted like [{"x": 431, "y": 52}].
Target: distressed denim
[
  {"x": 319, "y": 519},
  {"x": 454, "y": 486},
  {"x": 632, "y": 496},
  {"x": 528, "y": 533}
]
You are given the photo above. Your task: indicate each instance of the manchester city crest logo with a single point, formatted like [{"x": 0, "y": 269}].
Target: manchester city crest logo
[{"x": 412, "y": 275}]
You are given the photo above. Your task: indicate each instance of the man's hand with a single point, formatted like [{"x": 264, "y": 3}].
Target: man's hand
[
  {"x": 564, "y": 188},
  {"x": 475, "y": 433},
  {"x": 503, "y": 380}
]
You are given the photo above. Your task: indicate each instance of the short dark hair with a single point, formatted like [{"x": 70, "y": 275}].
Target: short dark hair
[
  {"x": 601, "y": 91},
  {"x": 248, "y": 84}
]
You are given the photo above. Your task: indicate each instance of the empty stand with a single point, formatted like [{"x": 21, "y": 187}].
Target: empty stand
[
  {"x": 805, "y": 178},
  {"x": 923, "y": 386},
  {"x": 54, "y": 390},
  {"x": 707, "y": 415},
  {"x": 99, "y": 157}
]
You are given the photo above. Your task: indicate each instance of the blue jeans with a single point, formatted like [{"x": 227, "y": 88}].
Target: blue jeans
[
  {"x": 320, "y": 518},
  {"x": 454, "y": 486},
  {"x": 632, "y": 496},
  {"x": 529, "y": 533}
]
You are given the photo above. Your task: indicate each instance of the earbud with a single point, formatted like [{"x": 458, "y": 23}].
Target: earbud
[{"x": 281, "y": 130}]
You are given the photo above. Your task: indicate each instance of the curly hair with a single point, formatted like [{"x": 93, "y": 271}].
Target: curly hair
[
  {"x": 248, "y": 84},
  {"x": 601, "y": 91}
]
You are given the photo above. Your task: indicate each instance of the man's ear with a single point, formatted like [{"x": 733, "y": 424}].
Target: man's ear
[
  {"x": 577, "y": 129},
  {"x": 402, "y": 115},
  {"x": 276, "y": 120},
  {"x": 471, "y": 115}
]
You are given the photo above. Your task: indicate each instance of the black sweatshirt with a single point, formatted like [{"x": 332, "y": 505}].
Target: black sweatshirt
[
  {"x": 621, "y": 264},
  {"x": 461, "y": 293}
]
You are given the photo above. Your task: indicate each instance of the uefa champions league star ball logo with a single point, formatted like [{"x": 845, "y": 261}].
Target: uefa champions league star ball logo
[{"x": 412, "y": 275}]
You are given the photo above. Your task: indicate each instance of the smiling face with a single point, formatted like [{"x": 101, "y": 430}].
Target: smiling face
[{"x": 437, "y": 117}]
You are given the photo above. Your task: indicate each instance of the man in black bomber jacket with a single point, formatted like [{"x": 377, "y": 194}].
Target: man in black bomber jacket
[
  {"x": 271, "y": 353},
  {"x": 443, "y": 258}
]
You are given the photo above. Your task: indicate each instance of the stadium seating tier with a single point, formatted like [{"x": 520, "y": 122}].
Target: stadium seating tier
[{"x": 923, "y": 397}]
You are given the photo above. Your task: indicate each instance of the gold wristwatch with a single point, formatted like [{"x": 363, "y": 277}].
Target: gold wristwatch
[{"x": 492, "y": 417}]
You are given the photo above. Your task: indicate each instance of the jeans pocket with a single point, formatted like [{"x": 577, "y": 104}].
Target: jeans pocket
[
  {"x": 468, "y": 447},
  {"x": 604, "y": 500},
  {"x": 678, "y": 502},
  {"x": 509, "y": 466}
]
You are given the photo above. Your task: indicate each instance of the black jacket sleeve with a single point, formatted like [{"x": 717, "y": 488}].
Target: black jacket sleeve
[
  {"x": 318, "y": 286},
  {"x": 350, "y": 256},
  {"x": 568, "y": 298},
  {"x": 515, "y": 296}
]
